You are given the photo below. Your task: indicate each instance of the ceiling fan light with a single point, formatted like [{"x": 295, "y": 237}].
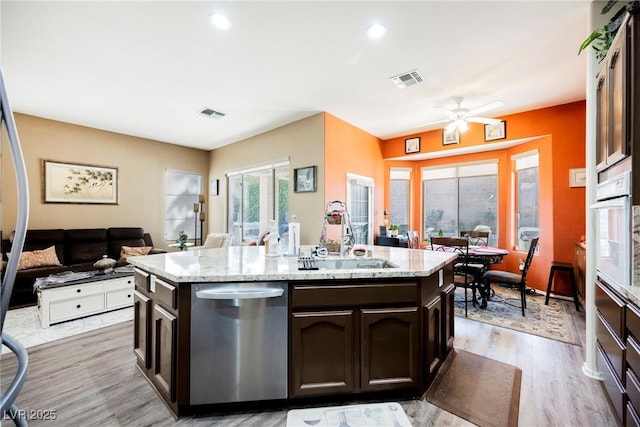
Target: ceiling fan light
[{"x": 451, "y": 127}]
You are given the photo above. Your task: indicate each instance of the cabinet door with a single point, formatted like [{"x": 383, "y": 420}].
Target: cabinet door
[
  {"x": 448, "y": 318},
  {"x": 433, "y": 335},
  {"x": 164, "y": 352},
  {"x": 322, "y": 353},
  {"x": 602, "y": 120},
  {"x": 389, "y": 353},
  {"x": 142, "y": 329},
  {"x": 618, "y": 120}
]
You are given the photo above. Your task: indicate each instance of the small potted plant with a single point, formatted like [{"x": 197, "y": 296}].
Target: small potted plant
[
  {"x": 182, "y": 239},
  {"x": 393, "y": 230}
]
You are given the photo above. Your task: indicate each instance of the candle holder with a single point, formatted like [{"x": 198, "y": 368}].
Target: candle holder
[{"x": 199, "y": 215}]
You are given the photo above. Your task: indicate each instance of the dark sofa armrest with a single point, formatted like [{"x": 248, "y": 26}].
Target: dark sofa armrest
[{"x": 155, "y": 251}]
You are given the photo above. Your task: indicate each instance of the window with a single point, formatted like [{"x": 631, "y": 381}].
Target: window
[
  {"x": 360, "y": 207},
  {"x": 460, "y": 198},
  {"x": 526, "y": 199},
  {"x": 182, "y": 190},
  {"x": 399, "y": 196},
  {"x": 255, "y": 197}
]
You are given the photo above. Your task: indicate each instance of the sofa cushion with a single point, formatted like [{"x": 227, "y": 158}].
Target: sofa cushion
[
  {"x": 38, "y": 258},
  {"x": 128, "y": 251},
  {"x": 42, "y": 239},
  {"x": 124, "y": 236},
  {"x": 85, "y": 245}
]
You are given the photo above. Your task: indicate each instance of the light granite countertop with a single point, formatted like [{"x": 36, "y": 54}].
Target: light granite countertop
[{"x": 249, "y": 263}]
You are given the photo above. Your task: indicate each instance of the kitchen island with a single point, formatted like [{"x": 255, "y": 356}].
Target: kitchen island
[{"x": 354, "y": 326}]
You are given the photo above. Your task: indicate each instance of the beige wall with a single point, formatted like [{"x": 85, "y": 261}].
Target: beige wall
[
  {"x": 302, "y": 143},
  {"x": 141, "y": 164}
]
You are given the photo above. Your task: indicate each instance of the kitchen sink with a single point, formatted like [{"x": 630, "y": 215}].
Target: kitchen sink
[{"x": 352, "y": 264}]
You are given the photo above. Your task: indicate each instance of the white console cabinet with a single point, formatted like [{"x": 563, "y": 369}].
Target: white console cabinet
[{"x": 72, "y": 301}]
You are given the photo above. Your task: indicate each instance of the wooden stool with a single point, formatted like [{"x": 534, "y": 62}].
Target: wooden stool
[{"x": 562, "y": 266}]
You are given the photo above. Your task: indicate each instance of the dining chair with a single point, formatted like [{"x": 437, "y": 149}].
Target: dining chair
[
  {"x": 513, "y": 279},
  {"x": 479, "y": 238},
  {"x": 413, "y": 239},
  {"x": 461, "y": 275}
]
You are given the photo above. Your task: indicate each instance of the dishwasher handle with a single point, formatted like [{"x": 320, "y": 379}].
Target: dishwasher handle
[{"x": 240, "y": 293}]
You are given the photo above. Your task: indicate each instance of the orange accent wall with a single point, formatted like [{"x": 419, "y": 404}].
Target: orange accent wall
[
  {"x": 349, "y": 149},
  {"x": 559, "y": 133}
]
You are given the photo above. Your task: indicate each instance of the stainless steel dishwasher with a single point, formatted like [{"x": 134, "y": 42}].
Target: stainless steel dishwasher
[{"x": 238, "y": 342}]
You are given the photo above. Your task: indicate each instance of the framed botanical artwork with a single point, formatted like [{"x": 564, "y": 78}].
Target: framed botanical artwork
[
  {"x": 412, "y": 145},
  {"x": 79, "y": 183},
  {"x": 450, "y": 137},
  {"x": 305, "y": 179},
  {"x": 497, "y": 131}
]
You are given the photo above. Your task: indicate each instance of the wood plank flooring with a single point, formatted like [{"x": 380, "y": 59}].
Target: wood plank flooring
[{"x": 107, "y": 389}]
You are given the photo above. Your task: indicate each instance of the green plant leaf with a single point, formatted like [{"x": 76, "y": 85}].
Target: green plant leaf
[
  {"x": 599, "y": 32},
  {"x": 607, "y": 7}
]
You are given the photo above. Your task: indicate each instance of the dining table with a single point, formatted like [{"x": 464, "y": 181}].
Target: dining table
[{"x": 484, "y": 256}]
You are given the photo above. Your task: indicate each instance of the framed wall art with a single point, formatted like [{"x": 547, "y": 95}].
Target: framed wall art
[
  {"x": 305, "y": 179},
  {"x": 450, "y": 137},
  {"x": 79, "y": 183},
  {"x": 497, "y": 131},
  {"x": 577, "y": 177},
  {"x": 412, "y": 145}
]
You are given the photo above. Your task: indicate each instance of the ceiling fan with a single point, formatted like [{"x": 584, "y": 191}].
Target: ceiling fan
[{"x": 460, "y": 116}]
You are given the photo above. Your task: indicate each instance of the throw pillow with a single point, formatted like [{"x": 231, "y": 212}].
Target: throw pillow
[
  {"x": 127, "y": 251},
  {"x": 38, "y": 258}
]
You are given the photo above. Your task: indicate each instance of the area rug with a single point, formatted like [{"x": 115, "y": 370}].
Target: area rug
[
  {"x": 552, "y": 321},
  {"x": 365, "y": 415},
  {"x": 483, "y": 391}
]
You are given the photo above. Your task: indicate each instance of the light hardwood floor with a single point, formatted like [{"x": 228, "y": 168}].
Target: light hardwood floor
[{"x": 90, "y": 388}]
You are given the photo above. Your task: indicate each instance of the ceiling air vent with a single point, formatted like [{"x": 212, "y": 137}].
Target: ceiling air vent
[
  {"x": 213, "y": 114},
  {"x": 407, "y": 79}
]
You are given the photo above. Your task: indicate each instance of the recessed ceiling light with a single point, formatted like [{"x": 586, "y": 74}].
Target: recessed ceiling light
[
  {"x": 220, "y": 21},
  {"x": 376, "y": 31}
]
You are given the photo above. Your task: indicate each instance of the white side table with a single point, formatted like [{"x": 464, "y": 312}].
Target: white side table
[{"x": 59, "y": 302}]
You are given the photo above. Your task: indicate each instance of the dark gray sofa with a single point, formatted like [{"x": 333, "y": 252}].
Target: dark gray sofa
[{"x": 77, "y": 250}]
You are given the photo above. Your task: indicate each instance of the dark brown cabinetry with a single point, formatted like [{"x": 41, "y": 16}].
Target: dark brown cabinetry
[
  {"x": 615, "y": 98},
  {"x": 611, "y": 348},
  {"x": 155, "y": 341},
  {"x": 360, "y": 337}
]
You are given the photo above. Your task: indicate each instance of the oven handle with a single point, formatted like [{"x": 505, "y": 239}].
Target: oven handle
[{"x": 618, "y": 202}]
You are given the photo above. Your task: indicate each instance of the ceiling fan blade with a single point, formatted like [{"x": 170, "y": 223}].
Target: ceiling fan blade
[
  {"x": 486, "y": 107},
  {"x": 485, "y": 120},
  {"x": 435, "y": 122}
]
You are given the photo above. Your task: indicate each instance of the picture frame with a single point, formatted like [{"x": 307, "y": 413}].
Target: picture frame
[
  {"x": 577, "y": 177},
  {"x": 79, "y": 183},
  {"x": 450, "y": 137},
  {"x": 497, "y": 131},
  {"x": 305, "y": 179},
  {"x": 412, "y": 145}
]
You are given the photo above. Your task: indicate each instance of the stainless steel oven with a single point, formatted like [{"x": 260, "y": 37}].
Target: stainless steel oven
[{"x": 613, "y": 230}]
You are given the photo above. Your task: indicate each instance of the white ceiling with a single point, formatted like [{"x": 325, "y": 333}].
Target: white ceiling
[{"x": 147, "y": 68}]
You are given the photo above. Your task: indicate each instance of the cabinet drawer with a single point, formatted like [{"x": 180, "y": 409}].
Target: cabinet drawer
[
  {"x": 118, "y": 284},
  {"x": 77, "y": 291},
  {"x": 633, "y": 388},
  {"x": 633, "y": 354},
  {"x": 119, "y": 298},
  {"x": 633, "y": 321},
  {"x": 611, "y": 307},
  {"x": 632, "y": 419},
  {"x": 611, "y": 384},
  {"x": 164, "y": 292},
  {"x": 142, "y": 280},
  {"x": 611, "y": 345},
  {"x": 303, "y": 296},
  {"x": 77, "y": 307}
]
